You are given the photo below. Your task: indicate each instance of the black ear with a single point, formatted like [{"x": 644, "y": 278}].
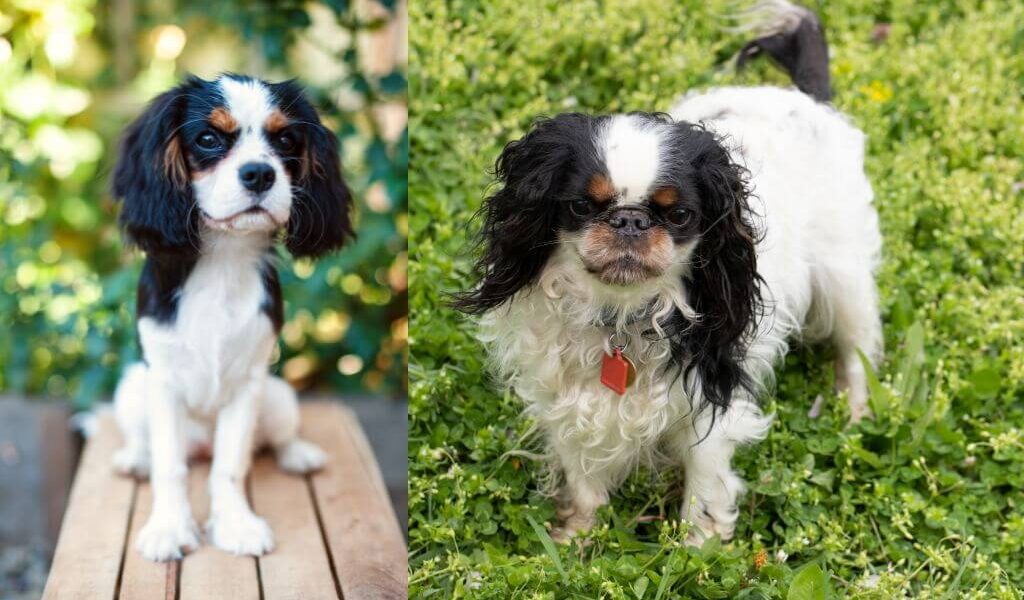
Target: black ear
[
  {"x": 320, "y": 221},
  {"x": 152, "y": 178},
  {"x": 723, "y": 288},
  {"x": 519, "y": 220}
]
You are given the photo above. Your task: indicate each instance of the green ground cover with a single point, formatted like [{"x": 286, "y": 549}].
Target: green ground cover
[{"x": 924, "y": 501}]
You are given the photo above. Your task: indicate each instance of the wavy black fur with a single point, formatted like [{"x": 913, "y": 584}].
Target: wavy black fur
[
  {"x": 521, "y": 219},
  {"x": 157, "y": 215},
  {"x": 321, "y": 201},
  {"x": 724, "y": 287}
]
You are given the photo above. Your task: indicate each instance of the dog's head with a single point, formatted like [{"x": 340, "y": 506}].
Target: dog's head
[
  {"x": 634, "y": 201},
  {"x": 238, "y": 155}
]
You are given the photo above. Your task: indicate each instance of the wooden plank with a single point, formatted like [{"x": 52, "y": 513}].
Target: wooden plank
[
  {"x": 141, "y": 578},
  {"x": 298, "y": 568},
  {"x": 210, "y": 573},
  {"x": 366, "y": 545},
  {"x": 89, "y": 551}
]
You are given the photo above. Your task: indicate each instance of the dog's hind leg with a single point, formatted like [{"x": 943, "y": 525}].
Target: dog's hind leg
[
  {"x": 856, "y": 326},
  {"x": 279, "y": 428},
  {"x": 130, "y": 414}
]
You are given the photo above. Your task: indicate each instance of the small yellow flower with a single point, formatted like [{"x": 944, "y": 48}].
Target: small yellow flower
[{"x": 877, "y": 91}]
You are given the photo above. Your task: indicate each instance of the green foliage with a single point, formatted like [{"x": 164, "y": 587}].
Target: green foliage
[
  {"x": 70, "y": 83},
  {"x": 924, "y": 501}
]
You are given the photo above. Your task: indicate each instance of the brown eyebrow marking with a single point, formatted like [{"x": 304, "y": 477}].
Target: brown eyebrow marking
[
  {"x": 222, "y": 119},
  {"x": 601, "y": 189},
  {"x": 665, "y": 197},
  {"x": 276, "y": 122}
]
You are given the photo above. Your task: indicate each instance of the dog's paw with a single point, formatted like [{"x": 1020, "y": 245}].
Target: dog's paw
[
  {"x": 709, "y": 520},
  {"x": 572, "y": 522},
  {"x": 166, "y": 538},
  {"x": 240, "y": 533},
  {"x": 131, "y": 462},
  {"x": 299, "y": 456}
]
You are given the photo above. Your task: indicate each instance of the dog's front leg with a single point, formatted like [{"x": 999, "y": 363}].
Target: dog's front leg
[
  {"x": 705, "y": 446},
  {"x": 170, "y": 528},
  {"x": 233, "y": 527},
  {"x": 581, "y": 493}
]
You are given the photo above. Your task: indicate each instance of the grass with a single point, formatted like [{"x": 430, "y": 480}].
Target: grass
[{"x": 924, "y": 501}]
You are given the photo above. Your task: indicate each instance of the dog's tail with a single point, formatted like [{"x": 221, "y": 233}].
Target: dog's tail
[{"x": 792, "y": 36}]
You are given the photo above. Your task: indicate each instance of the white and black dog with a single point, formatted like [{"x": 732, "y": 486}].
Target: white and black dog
[
  {"x": 643, "y": 272},
  {"x": 209, "y": 175}
]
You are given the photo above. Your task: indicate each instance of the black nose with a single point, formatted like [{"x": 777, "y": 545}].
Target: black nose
[
  {"x": 630, "y": 221},
  {"x": 256, "y": 177}
]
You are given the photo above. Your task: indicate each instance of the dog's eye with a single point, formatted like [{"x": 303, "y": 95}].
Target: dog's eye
[
  {"x": 208, "y": 140},
  {"x": 677, "y": 216},
  {"x": 286, "y": 142},
  {"x": 581, "y": 207}
]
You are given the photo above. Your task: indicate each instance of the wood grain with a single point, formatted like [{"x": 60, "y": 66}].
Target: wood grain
[
  {"x": 210, "y": 573},
  {"x": 88, "y": 556},
  {"x": 298, "y": 568},
  {"x": 346, "y": 504},
  {"x": 366, "y": 545},
  {"x": 143, "y": 579}
]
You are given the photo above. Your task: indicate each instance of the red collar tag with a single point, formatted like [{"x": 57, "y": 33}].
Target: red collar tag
[{"x": 617, "y": 371}]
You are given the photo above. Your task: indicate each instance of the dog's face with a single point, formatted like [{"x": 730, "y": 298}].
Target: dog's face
[
  {"x": 639, "y": 204},
  {"x": 236, "y": 141},
  {"x": 628, "y": 210},
  {"x": 237, "y": 155},
  {"x": 636, "y": 198}
]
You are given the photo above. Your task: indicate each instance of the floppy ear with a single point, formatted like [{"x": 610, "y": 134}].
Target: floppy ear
[
  {"x": 724, "y": 288},
  {"x": 519, "y": 227},
  {"x": 152, "y": 178},
  {"x": 320, "y": 220}
]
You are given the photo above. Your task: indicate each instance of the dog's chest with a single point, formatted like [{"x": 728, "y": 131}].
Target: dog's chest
[
  {"x": 220, "y": 338},
  {"x": 556, "y": 368}
]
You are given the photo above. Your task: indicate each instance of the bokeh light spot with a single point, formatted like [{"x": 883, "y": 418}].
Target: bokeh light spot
[
  {"x": 350, "y": 364},
  {"x": 169, "y": 41}
]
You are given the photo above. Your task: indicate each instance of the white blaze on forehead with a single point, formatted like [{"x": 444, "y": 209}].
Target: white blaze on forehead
[
  {"x": 221, "y": 194},
  {"x": 249, "y": 102},
  {"x": 631, "y": 151}
]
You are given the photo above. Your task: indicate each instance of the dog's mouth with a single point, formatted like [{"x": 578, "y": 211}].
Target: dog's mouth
[
  {"x": 615, "y": 260},
  {"x": 623, "y": 270},
  {"x": 250, "y": 219}
]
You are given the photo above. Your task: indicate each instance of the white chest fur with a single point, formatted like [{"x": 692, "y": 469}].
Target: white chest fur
[
  {"x": 546, "y": 345},
  {"x": 220, "y": 337}
]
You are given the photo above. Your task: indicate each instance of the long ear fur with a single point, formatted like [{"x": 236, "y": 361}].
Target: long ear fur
[
  {"x": 519, "y": 220},
  {"x": 320, "y": 221},
  {"x": 724, "y": 287},
  {"x": 152, "y": 178}
]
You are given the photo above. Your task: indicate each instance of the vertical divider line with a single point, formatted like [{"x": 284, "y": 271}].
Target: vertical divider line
[
  {"x": 256, "y": 559},
  {"x": 174, "y": 578},
  {"x": 311, "y": 487},
  {"x": 127, "y": 534}
]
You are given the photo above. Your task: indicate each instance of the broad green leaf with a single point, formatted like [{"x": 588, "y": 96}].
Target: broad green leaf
[{"x": 810, "y": 583}]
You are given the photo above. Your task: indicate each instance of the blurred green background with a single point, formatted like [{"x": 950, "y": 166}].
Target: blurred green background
[{"x": 73, "y": 74}]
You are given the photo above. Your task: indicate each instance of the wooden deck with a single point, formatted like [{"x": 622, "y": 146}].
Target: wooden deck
[{"x": 335, "y": 531}]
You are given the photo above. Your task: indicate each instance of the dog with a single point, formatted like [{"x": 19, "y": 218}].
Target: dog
[
  {"x": 641, "y": 274},
  {"x": 209, "y": 175}
]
